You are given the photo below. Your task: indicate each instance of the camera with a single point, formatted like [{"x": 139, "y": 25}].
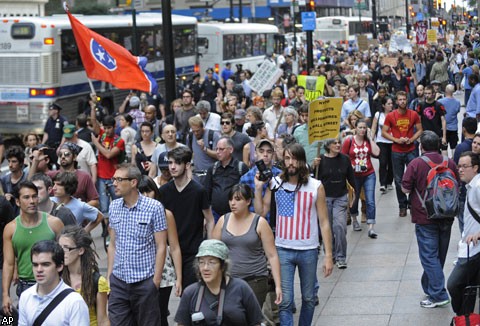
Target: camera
[
  {"x": 265, "y": 173},
  {"x": 198, "y": 318},
  {"x": 360, "y": 168}
]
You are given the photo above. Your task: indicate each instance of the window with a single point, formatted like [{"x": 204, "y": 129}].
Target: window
[{"x": 184, "y": 40}]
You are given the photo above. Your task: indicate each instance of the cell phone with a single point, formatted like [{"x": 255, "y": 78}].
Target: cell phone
[{"x": 50, "y": 152}]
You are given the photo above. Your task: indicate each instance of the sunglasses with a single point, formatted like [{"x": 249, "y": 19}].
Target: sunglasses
[{"x": 226, "y": 122}]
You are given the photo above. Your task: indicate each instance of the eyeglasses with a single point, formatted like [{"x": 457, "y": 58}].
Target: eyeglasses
[
  {"x": 219, "y": 149},
  {"x": 66, "y": 154},
  {"x": 226, "y": 122},
  {"x": 464, "y": 166},
  {"x": 68, "y": 249},
  {"x": 120, "y": 179},
  {"x": 210, "y": 263}
]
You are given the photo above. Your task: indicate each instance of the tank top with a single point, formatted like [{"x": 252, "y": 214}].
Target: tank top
[
  {"x": 246, "y": 251},
  {"x": 23, "y": 240}
]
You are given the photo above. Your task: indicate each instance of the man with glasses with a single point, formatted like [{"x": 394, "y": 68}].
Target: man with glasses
[
  {"x": 222, "y": 176},
  {"x": 239, "y": 139},
  {"x": 67, "y": 155},
  {"x": 136, "y": 254},
  {"x": 433, "y": 235},
  {"x": 466, "y": 271},
  {"x": 30, "y": 226},
  {"x": 186, "y": 112}
]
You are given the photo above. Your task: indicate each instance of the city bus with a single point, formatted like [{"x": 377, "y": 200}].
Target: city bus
[
  {"x": 40, "y": 63},
  {"x": 244, "y": 43},
  {"x": 342, "y": 29}
]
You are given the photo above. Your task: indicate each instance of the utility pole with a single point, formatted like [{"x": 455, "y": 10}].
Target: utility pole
[
  {"x": 374, "y": 18},
  {"x": 406, "y": 19},
  {"x": 311, "y": 7},
  {"x": 169, "y": 59}
]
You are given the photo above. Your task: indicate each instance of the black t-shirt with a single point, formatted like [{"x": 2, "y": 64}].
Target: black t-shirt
[
  {"x": 334, "y": 174},
  {"x": 431, "y": 116},
  {"x": 186, "y": 207},
  {"x": 239, "y": 141},
  {"x": 6, "y": 216},
  {"x": 241, "y": 307}
]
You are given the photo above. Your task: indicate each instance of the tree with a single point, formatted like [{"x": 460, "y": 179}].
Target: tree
[{"x": 84, "y": 7}]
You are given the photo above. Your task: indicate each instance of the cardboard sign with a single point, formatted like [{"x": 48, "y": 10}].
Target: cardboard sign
[
  {"x": 408, "y": 63},
  {"x": 314, "y": 86},
  {"x": 362, "y": 42},
  {"x": 388, "y": 61},
  {"x": 324, "y": 119}
]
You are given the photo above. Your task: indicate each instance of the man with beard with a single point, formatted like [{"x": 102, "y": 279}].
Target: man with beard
[
  {"x": 399, "y": 128},
  {"x": 188, "y": 201},
  {"x": 68, "y": 154},
  {"x": 301, "y": 208},
  {"x": 420, "y": 91},
  {"x": 432, "y": 116}
]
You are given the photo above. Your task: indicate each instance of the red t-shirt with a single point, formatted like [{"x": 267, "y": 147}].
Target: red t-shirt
[
  {"x": 107, "y": 167},
  {"x": 401, "y": 125},
  {"x": 360, "y": 156}
]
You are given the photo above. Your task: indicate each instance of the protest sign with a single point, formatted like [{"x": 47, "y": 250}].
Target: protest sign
[
  {"x": 265, "y": 76},
  {"x": 314, "y": 86},
  {"x": 432, "y": 36},
  {"x": 388, "y": 61},
  {"x": 324, "y": 119},
  {"x": 362, "y": 42}
]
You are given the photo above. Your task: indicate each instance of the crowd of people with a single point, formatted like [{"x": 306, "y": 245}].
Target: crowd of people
[{"x": 221, "y": 197}]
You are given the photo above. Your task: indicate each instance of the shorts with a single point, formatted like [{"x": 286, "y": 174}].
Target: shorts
[{"x": 452, "y": 138}]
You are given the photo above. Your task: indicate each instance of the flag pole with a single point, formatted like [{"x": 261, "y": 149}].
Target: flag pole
[{"x": 91, "y": 85}]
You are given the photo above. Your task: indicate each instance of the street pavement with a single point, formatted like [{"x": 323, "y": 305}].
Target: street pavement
[{"x": 381, "y": 285}]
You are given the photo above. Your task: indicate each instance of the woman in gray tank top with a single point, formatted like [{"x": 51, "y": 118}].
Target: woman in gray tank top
[{"x": 250, "y": 241}]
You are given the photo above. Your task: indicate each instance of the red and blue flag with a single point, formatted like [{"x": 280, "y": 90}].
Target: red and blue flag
[{"x": 108, "y": 61}]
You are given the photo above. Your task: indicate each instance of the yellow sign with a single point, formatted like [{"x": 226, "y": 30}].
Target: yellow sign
[
  {"x": 314, "y": 86},
  {"x": 432, "y": 36},
  {"x": 324, "y": 118}
]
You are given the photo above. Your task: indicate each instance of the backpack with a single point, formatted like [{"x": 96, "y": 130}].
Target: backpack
[
  {"x": 209, "y": 144},
  {"x": 441, "y": 196},
  {"x": 122, "y": 156}
]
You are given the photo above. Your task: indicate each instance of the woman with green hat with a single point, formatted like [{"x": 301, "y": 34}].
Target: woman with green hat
[{"x": 217, "y": 299}]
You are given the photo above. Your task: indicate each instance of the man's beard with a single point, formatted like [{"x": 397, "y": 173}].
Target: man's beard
[{"x": 291, "y": 171}]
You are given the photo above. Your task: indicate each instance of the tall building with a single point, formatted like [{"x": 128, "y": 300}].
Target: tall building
[{"x": 9, "y": 8}]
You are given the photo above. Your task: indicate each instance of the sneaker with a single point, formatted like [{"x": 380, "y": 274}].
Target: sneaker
[
  {"x": 383, "y": 189},
  {"x": 403, "y": 212},
  {"x": 372, "y": 234},
  {"x": 341, "y": 264},
  {"x": 389, "y": 187},
  {"x": 427, "y": 303},
  {"x": 317, "y": 302},
  {"x": 356, "y": 226}
]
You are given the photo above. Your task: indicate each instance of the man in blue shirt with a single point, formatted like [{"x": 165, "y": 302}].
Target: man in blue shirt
[
  {"x": 136, "y": 254},
  {"x": 473, "y": 104},
  {"x": 452, "y": 107},
  {"x": 226, "y": 72},
  {"x": 466, "y": 73}
]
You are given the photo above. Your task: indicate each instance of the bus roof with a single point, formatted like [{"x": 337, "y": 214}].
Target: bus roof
[
  {"x": 233, "y": 28},
  {"x": 99, "y": 21},
  {"x": 349, "y": 19}
]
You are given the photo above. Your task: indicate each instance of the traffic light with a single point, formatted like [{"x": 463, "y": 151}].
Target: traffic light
[
  {"x": 434, "y": 4},
  {"x": 311, "y": 5},
  {"x": 439, "y": 4}
]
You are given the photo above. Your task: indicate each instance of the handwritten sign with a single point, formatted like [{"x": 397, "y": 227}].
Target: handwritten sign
[
  {"x": 421, "y": 32},
  {"x": 362, "y": 42},
  {"x": 408, "y": 63},
  {"x": 314, "y": 86},
  {"x": 432, "y": 36},
  {"x": 324, "y": 119},
  {"x": 265, "y": 76},
  {"x": 389, "y": 61}
]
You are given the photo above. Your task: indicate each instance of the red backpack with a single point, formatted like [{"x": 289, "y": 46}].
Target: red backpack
[{"x": 441, "y": 195}]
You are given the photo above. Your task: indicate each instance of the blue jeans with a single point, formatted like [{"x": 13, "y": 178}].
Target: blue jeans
[
  {"x": 337, "y": 214},
  {"x": 433, "y": 242},
  {"x": 105, "y": 188},
  {"x": 368, "y": 184},
  {"x": 306, "y": 261},
  {"x": 400, "y": 162}
]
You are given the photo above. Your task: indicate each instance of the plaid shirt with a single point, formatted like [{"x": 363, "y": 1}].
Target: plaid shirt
[
  {"x": 135, "y": 247},
  {"x": 138, "y": 117},
  {"x": 249, "y": 179}
]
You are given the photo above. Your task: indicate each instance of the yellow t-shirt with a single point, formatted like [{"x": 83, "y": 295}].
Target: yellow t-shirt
[{"x": 102, "y": 288}]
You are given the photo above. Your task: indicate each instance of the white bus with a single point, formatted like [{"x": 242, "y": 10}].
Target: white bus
[
  {"x": 342, "y": 29},
  {"x": 219, "y": 43},
  {"x": 40, "y": 63}
]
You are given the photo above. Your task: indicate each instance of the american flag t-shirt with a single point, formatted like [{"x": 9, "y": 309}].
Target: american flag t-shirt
[{"x": 294, "y": 214}]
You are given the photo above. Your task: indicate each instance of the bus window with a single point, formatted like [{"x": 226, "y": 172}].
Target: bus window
[
  {"x": 184, "y": 39},
  {"x": 240, "y": 49},
  {"x": 147, "y": 45},
  {"x": 228, "y": 47},
  {"x": 70, "y": 55},
  {"x": 202, "y": 45}
]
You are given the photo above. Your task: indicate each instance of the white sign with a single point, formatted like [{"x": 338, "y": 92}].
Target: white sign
[
  {"x": 400, "y": 43},
  {"x": 265, "y": 77},
  {"x": 22, "y": 112}
]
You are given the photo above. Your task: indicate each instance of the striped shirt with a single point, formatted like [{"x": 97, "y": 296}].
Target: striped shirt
[
  {"x": 297, "y": 219},
  {"x": 135, "y": 247}
]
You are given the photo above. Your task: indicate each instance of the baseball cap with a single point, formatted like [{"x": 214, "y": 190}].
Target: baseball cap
[
  {"x": 263, "y": 142},
  {"x": 435, "y": 82},
  {"x": 214, "y": 248},
  {"x": 68, "y": 131},
  {"x": 240, "y": 114},
  {"x": 163, "y": 160},
  {"x": 134, "y": 101}
]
